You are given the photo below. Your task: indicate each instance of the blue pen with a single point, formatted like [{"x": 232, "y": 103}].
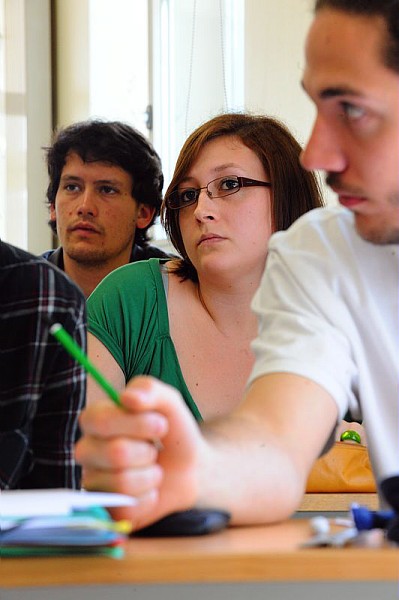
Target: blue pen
[{"x": 366, "y": 519}]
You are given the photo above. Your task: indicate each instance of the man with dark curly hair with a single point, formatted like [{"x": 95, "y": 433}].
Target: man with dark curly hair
[{"x": 104, "y": 193}]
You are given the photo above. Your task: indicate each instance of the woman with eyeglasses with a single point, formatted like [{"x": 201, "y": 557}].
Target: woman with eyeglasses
[{"x": 188, "y": 321}]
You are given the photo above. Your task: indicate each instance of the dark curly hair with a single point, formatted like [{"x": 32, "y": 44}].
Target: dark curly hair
[{"x": 114, "y": 143}]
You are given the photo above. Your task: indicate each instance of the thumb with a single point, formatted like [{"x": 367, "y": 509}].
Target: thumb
[{"x": 145, "y": 393}]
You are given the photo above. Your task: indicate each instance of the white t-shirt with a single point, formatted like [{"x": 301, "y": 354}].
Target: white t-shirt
[{"x": 328, "y": 310}]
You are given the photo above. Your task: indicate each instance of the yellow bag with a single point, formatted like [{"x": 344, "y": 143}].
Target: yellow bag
[{"x": 345, "y": 468}]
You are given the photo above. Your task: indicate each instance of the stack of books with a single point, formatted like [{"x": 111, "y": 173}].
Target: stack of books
[{"x": 61, "y": 522}]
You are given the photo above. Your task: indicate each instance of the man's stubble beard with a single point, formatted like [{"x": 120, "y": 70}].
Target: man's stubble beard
[{"x": 93, "y": 258}]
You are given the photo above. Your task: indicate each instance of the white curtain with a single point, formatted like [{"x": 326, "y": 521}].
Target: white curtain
[{"x": 198, "y": 58}]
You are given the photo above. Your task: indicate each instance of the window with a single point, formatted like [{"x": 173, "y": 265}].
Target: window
[
  {"x": 198, "y": 67},
  {"x": 118, "y": 61},
  {"x": 3, "y": 189},
  {"x": 25, "y": 121}
]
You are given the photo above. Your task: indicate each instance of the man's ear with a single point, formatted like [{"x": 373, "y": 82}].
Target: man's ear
[
  {"x": 145, "y": 214},
  {"x": 53, "y": 217}
]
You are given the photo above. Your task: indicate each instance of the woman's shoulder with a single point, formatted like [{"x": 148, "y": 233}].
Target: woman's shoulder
[
  {"x": 131, "y": 287},
  {"x": 142, "y": 271}
]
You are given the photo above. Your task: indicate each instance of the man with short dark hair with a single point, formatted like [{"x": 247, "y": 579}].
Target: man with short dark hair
[
  {"x": 328, "y": 309},
  {"x": 104, "y": 193}
]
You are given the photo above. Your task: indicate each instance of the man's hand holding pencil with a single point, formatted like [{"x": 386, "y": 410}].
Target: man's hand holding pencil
[{"x": 117, "y": 453}]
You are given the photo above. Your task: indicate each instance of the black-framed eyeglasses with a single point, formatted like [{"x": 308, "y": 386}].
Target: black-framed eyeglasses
[{"x": 217, "y": 188}]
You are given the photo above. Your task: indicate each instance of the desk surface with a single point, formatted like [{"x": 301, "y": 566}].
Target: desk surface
[
  {"x": 336, "y": 502},
  {"x": 246, "y": 554}
]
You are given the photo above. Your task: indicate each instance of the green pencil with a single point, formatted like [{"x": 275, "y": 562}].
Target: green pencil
[{"x": 74, "y": 350}]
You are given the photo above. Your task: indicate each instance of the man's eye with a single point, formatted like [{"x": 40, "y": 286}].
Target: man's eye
[
  {"x": 107, "y": 189},
  {"x": 188, "y": 195},
  {"x": 228, "y": 183},
  {"x": 352, "y": 112},
  {"x": 71, "y": 187}
]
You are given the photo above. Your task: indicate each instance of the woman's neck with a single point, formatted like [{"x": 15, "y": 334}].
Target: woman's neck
[{"x": 229, "y": 307}]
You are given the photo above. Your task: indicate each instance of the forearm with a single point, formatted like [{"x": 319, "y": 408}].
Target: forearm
[
  {"x": 108, "y": 367},
  {"x": 254, "y": 478},
  {"x": 256, "y": 462}
]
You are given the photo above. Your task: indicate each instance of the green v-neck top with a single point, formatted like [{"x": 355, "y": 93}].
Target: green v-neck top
[{"x": 128, "y": 313}]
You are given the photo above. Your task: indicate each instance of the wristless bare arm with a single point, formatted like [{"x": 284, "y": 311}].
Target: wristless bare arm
[{"x": 107, "y": 365}]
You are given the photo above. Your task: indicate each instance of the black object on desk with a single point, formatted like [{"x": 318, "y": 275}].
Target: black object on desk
[
  {"x": 390, "y": 489},
  {"x": 186, "y": 523}
]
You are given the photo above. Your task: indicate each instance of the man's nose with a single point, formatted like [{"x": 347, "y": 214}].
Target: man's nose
[
  {"x": 323, "y": 150},
  {"x": 88, "y": 204}
]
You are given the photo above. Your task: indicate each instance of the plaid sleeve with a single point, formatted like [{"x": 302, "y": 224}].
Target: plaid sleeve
[{"x": 43, "y": 389}]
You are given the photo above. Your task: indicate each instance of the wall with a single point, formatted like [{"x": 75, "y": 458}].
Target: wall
[
  {"x": 71, "y": 60},
  {"x": 275, "y": 34}
]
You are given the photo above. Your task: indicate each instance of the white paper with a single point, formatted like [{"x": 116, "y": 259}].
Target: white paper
[{"x": 35, "y": 503}]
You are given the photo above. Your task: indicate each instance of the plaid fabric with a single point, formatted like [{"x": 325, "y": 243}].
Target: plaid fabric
[{"x": 42, "y": 389}]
